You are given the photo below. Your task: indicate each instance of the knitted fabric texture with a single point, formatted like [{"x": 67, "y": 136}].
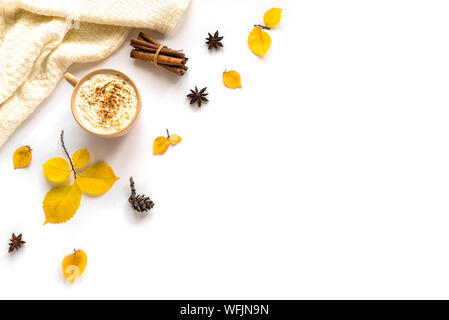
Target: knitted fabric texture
[{"x": 40, "y": 39}]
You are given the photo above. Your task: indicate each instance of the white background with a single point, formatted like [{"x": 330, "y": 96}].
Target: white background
[{"x": 326, "y": 176}]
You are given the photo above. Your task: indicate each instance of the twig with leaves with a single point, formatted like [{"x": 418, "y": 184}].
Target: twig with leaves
[
  {"x": 262, "y": 26},
  {"x": 63, "y": 200},
  {"x": 67, "y": 154}
]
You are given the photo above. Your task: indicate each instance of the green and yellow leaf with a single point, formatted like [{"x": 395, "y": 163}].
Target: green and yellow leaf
[
  {"x": 61, "y": 203},
  {"x": 97, "y": 179}
]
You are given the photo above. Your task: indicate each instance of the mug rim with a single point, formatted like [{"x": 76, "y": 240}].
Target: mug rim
[{"x": 88, "y": 76}]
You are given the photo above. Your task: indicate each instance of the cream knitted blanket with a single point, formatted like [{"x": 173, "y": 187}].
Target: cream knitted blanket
[{"x": 40, "y": 39}]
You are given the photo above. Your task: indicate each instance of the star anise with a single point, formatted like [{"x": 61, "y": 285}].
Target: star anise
[
  {"x": 16, "y": 243},
  {"x": 214, "y": 41},
  {"x": 198, "y": 96}
]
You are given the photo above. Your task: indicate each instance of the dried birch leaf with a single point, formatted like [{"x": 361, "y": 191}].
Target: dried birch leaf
[
  {"x": 81, "y": 158},
  {"x": 174, "y": 139},
  {"x": 57, "y": 169},
  {"x": 160, "y": 145},
  {"x": 61, "y": 203},
  {"x": 272, "y": 17},
  {"x": 232, "y": 79},
  {"x": 259, "y": 41},
  {"x": 22, "y": 157},
  {"x": 97, "y": 179},
  {"x": 73, "y": 265}
]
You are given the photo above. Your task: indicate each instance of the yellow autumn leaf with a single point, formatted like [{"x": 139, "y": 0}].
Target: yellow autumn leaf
[
  {"x": 22, "y": 157},
  {"x": 57, "y": 169},
  {"x": 174, "y": 139},
  {"x": 81, "y": 158},
  {"x": 160, "y": 145},
  {"x": 259, "y": 41},
  {"x": 232, "y": 79},
  {"x": 61, "y": 203},
  {"x": 272, "y": 17},
  {"x": 97, "y": 179},
  {"x": 73, "y": 265}
]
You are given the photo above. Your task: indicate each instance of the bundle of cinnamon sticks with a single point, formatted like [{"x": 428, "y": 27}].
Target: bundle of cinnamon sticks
[{"x": 145, "y": 48}]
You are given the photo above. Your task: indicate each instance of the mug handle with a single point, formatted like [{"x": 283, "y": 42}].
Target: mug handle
[{"x": 71, "y": 78}]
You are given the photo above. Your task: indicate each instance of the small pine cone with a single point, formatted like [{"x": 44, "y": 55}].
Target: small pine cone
[{"x": 141, "y": 203}]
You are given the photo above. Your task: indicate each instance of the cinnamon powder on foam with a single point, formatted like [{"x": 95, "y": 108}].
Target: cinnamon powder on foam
[{"x": 106, "y": 103}]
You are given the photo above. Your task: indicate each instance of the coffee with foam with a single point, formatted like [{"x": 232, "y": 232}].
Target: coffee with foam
[{"x": 106, "y": 103}]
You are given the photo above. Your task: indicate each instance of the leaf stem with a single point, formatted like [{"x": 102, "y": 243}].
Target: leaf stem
[
  {"x": 133, "y": 189},
  {"x": 262, "y": 26},
  {"x": 67, "y": 154}
]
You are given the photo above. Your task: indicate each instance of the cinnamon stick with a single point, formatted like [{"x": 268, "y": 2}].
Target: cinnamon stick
[
  {"x": 176, "y": 70},
  {"x": 161, "y": 59},
  {"x": 147, "y": 46},
  {"x": 162, "y": 52},
  {"x": 180, "y": 70},
  {"x": 149, "y": 39}
]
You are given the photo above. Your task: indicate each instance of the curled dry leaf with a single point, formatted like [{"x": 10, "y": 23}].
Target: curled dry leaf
[
  {"x": 174, "y": 139},
  {"x": 97, "y": 179},
  {"x": 259, "y": 41},
  {"x": 22, "y": 157},
  {"x": 57, "y": 169},
  {"x": 73, "y": 265},
  {"x": 61, "y": 203},
  {"x": 232, "y": 79},
  {"x": 81, "y": 158},
  {"x": 272, "y": 17}
]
